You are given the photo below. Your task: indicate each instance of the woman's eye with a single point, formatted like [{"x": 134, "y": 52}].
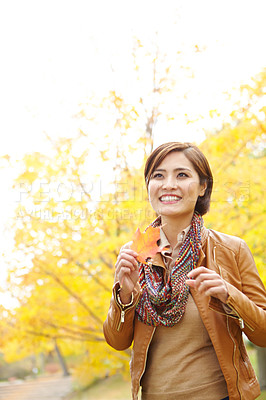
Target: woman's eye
[
  {"x": 182, "y": 175},
  {"x": 157, "y": 175}
]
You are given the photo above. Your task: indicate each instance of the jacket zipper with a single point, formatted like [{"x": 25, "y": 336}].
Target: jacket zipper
[
  {"x": 122, "y": 319},
  {"x": 234, "y": 357},
  {"x": 240, "y": 319},
  {"x": 122, "y": 316},
  {"x": 241, "y": 324}
]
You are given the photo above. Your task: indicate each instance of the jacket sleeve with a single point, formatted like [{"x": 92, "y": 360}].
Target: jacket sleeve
[
  {"x": 118, "y": 328},
  {"x": 247, "y": 296}
]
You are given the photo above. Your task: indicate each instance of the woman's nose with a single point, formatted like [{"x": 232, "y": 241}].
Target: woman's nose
[{"x": 170, "y": 183}]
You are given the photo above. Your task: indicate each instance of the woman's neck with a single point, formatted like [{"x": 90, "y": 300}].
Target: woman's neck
[{"x": 173, "y": 226}]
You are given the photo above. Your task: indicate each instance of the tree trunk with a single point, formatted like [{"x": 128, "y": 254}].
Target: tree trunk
[{"x": 61, "y": 360}]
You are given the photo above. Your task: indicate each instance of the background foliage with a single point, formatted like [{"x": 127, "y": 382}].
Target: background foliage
[{"x": 71, "y": 221}]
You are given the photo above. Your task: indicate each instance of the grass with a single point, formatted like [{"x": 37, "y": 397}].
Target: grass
[{"x": 115, "y": 388}]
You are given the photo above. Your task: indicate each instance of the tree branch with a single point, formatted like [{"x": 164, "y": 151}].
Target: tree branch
[{"x": 72, "y": 294}]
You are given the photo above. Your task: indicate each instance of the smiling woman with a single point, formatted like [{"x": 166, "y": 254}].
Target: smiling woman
[
  {"x": 185, "y": 311},
  {"x": 174, "y": 186}
]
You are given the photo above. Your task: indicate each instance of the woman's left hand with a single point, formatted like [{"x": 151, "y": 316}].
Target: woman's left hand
[{"x": 208, "y": 282}]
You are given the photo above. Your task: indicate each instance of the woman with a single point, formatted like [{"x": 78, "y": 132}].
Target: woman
[{"x": 186, "y": 308}]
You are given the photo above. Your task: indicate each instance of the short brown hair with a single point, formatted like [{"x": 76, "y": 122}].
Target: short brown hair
[{"x": 197, "y": 159}]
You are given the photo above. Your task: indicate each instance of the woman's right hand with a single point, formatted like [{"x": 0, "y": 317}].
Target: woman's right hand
[{"x": 127, "y": 272}]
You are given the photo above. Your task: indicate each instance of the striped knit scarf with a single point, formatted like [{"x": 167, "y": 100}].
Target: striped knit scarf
[{"x": 164, "y": 303}]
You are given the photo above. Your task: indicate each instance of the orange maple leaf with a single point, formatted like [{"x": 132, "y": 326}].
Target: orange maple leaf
[{"x": 145, "y": 244}]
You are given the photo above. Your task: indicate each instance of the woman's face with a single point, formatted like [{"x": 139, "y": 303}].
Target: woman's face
[{"x": 174, "y": 187}]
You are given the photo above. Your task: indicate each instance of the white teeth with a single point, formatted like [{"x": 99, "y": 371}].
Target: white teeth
[{"x": 169, "y": 198}]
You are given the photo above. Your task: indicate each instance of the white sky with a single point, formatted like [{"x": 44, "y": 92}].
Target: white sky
[{"x": 54, "y": 54}]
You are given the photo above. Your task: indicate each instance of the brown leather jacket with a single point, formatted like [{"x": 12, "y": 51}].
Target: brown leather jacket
[{"x": 231, "y": 258}]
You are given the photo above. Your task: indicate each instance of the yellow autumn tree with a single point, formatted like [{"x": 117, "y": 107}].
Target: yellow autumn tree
[
  {"x": 68, "y": 231},
  {"x": 237, "y": 156},
  {"x": 66, "y": 251},
  {"x": 70, "y": 222}
]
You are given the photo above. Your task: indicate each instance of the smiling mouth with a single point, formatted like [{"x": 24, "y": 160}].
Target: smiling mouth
[{"x": 169, "y": 198}]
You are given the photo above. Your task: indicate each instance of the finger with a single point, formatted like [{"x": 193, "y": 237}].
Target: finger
[
  {"x": 191, "y": 283},
  {"x": 127, "y": 279},
  {"x": 209, "y": 284},
  {"x": 220, "y": 293},
  {"x": 215, "y": 291},
  {"x": 203, "y": 286},
  {"x": 127, "y": 257},
  {"x": 200, "y": 270},
  {"x": 127, "y": 248},
  {"x": 125, "y": 263},
  {"x": 127, "y": 245},
  {"x": 207, "y": 277},
  {"x": 204, "y": 277},
  {"x": 215, "y": 288},
  {"x": 129, "y": 251},
  {"x": 124, "y": 271}
]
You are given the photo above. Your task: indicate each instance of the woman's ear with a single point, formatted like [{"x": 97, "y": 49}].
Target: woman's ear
[{"x": 203, "y": 188}]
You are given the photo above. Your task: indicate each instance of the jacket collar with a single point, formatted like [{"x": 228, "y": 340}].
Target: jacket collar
[{"x": 158, "y": 260}]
